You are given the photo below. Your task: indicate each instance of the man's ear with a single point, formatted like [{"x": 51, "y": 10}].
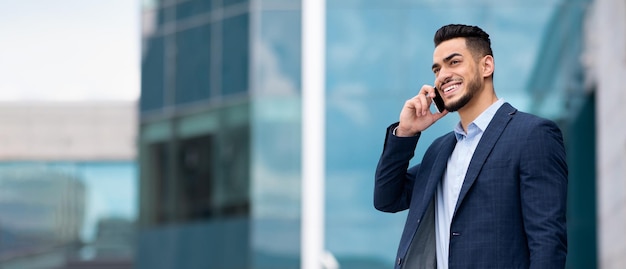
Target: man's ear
[{"x": 488, "y": 66}]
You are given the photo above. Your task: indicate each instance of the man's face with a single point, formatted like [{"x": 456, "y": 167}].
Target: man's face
[{"x": 456, "y": 73}]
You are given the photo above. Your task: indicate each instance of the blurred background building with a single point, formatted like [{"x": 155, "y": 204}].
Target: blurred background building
[
  {"x": 220, "y": 120},
  {"x": 66, "y": 171},
  {"x": 204, "y": 169},
  {"x": 604, "y": 61}
]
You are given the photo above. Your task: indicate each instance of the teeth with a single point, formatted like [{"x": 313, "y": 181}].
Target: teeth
[{"x": 451, "y": 88}]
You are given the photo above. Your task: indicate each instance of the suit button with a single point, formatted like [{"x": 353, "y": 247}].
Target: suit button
[
  {"x": 455, "y": 234},
  {"x": 399, "y": 262}
]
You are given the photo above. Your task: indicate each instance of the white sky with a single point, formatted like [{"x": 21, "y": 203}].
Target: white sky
[{"x": 69, "y": 50}]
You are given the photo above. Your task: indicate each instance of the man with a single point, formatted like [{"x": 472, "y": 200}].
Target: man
[{"x": 490, "y": 194}]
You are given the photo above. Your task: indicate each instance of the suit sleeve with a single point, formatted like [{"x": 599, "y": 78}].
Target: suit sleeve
[
  {"x": 543, "y": 187},
  {"x": 394, "y": 181}
]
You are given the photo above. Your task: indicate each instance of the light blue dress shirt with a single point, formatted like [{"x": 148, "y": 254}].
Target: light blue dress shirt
[{"x": 449, "y": 188}]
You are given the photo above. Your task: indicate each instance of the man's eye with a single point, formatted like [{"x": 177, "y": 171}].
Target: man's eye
[
  {"x": 435, "y": 71},
  {"x": 454, "y": 61}
]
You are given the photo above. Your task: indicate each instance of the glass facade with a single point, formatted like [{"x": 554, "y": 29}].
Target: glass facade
[
  {"x": 276, "y": 136},
  {"x": 220, "y": 138},
  {"x": 195, "y": 136},
  {"x": 55, "y": 213}
]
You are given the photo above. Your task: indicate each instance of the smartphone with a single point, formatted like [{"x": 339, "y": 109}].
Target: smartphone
[{"x": 439, "y": 101}]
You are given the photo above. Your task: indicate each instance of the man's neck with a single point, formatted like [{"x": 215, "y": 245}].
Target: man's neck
[{"x": 477, "y": 106}]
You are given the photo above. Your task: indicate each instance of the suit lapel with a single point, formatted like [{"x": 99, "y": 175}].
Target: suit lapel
[
  {"x": 485, "y": 145},
  {"x": 439, "y": 165}
]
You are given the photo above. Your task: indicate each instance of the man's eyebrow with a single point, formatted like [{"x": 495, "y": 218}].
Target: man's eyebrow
[{"x": 447, "y": 59}]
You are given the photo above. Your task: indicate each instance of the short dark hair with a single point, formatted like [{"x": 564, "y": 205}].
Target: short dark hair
[{"x": 476, "y": 40}]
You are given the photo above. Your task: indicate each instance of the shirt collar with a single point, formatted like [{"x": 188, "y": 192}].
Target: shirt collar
[{"x": 480, "y": 123}]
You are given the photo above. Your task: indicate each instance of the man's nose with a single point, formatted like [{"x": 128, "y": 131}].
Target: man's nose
[{"x": 442, "y": 76}]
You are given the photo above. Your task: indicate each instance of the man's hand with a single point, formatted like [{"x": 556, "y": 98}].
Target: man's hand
[{"x": 415, "y": 116}]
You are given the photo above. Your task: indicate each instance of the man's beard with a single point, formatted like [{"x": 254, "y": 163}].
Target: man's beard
[{"x": 473, "y": 86}]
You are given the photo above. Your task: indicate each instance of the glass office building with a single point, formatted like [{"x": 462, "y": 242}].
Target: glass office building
[
  {"x": 68, "y": 184},
  {"x": 220, "y": 139}
]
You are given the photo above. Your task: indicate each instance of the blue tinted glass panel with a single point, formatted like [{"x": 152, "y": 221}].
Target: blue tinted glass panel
[
  {"x": 235, "y": 53},
  {"x": 219, "y": 243},
  {"x": 281, "y": 47},
  {"x": 373, "y": 49},
  {"x": 165, "y": 15},
  {"x": 152, "y": 75},
  {"x": 276, "y": 165},
  {"x": 189, "y": 9},
  {"x": 160, "y": 16},
  {"x": 46, "y": 205},
  {"x": 192, "y": 64},
  {"x": 227, "y": 3}
]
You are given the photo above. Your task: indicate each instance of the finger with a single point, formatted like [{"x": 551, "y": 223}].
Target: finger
[
  {"x": 428, "y": 91},
  {"x": 410, "y": 107},
  {"x": 422, "y": 104},
  {"x": 422, "y": 98},
  {"x": 438, "y": 116},
  {"x": 416, "y": 103}
]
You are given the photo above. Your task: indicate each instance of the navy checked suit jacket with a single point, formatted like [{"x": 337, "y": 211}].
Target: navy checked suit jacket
[{"x": 511, "y": 208}]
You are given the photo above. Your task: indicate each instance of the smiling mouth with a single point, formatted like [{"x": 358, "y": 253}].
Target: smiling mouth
[
  {"x": 451, "y": 88},
  {"x": 452, "y": 84}
]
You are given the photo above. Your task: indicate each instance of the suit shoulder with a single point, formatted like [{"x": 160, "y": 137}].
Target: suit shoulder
[
  {"x": 529, "y": 119},
  {"x": 529, "y": 124}
]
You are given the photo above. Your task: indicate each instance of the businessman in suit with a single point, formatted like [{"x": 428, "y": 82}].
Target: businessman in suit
[{"x": 489, "y": 194}]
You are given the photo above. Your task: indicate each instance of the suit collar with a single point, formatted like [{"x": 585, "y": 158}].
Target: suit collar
[{"x": 480, "y": 123}]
